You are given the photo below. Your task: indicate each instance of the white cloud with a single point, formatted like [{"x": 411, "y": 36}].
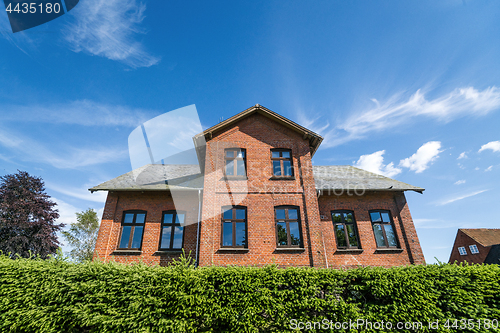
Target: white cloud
[
  {"x": 374, "y": 163},
  {"x": 80, "y": 112},
  {"x": 460, "y": 197},
  {"x": 489, "y": 168},
  {"x": 459, "y": 182},
  {"x": 477, "y": 168},
  {"x": 66, "y": 211},
  {"x": 424, "y": 156},
  {"x": 79, "y": 193},
  {"x": 493, "y": 145},
  {"x": 108, "y": 28},
  {"x": 462, "y": 155},
  {"x": 397, "y": 111}
]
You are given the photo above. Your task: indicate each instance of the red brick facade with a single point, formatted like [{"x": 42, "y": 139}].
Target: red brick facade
[
  {"x": 260, "y": 193},
  {"x": 465, "y": 241}
]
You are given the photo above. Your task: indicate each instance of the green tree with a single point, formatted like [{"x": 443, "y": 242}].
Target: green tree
[
  {"x": 27, "y": 217},
  {"x": 82, "y": 235}
]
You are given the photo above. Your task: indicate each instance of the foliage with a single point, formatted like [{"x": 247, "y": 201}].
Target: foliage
[
  {"x": 82, "y": 235},
  {"x": 60, "y": 296},
  {"x": 27, "y": 217}
]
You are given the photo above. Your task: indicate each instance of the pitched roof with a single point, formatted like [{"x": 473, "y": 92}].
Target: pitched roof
[
  {"x": 314, "y": 139},
  {"x": 343, "y": 177},
  {"x": 485, "y": 237},
  {"x": 157, "y": 177}
]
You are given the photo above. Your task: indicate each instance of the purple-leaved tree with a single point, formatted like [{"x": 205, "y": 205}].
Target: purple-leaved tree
[{"x": 27, "y": 217}]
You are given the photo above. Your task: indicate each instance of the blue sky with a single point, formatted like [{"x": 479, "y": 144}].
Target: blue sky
[{"x": 407, "y": 89}]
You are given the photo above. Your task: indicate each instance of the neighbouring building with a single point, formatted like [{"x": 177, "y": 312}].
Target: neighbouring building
[
  {"x": 255, "y": 198},
  {"x": 476, "y": 246}
]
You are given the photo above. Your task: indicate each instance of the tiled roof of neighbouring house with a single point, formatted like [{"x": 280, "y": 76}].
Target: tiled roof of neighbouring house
[
  {"x": 157, "y": 177},
  {"x": 485, "y": 237}
]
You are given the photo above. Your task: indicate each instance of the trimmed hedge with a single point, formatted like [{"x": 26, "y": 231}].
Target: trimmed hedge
[{"x": 58, "y": 296}]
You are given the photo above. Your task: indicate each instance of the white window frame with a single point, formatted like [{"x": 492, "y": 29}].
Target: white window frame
[
  {"x": 473, "y": 249},
  {"x": 462, "y": 251}
]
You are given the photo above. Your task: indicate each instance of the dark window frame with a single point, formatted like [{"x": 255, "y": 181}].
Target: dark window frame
[
  {"x": 235, "y": 164},
  {"x": 281, "y": 159},
  {"x": 382, "y": 223},
  {"x": 344, "y": 223},
  {"x": 172, "y": 231},
  {"x": 133, "y": 226},
  {"x": 234, "y": 220},
  {"x": 287, "y": 221}
]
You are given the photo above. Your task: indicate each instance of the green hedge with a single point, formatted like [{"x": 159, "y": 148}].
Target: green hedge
[{"x": 58, "y": 296}]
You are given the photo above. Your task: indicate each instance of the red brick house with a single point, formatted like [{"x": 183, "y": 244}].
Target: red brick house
[
  {"x": 255, "y": 199},
  {"x": 476, "y": 246}
]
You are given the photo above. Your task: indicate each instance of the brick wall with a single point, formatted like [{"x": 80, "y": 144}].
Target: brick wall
[{"x": 464, "y": 240}]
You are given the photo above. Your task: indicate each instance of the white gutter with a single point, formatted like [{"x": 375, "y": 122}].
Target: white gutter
[{"x": 198, "y": 231}]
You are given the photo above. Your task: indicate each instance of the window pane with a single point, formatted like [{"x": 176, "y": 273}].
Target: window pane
[
  {"x": 276, "y": 168},
  {"x": 348, "y": 218},
  {"x": 280, "y": 214},
  {"x": 165, "y": 237},
  {"x": 180, "y": 219},
  {"x": 240, "y": 167},
  {"x": 241, "y": 154},
  {"x": 129, "y": 218},
  {"x": 178, "y": 237},
  {"x": 375, "y": 216},
  {"x": 287, "y": 166},
  {"x": 240, "y": 214},
  {"x": 336, "y": 218},
  {"x": 294, "y": 233},
  {"x": 125, "y": 236},
  {"x": 340, "y": 233},
  {"x": 379, "y": 236},
  {"x": 292, "y": 213},
  {"x": 230, "y": 167},
  {"x": 240, "y": 234},
  {"x": 167, "y": 218},
  {"x": 140, "y": 218},
  {"x": 282, "y": 238},
  {"x": 229, "y": 153},
  {"x": 228, "y": 214},
  {"x": 276, "y": 154},
  {"x": 285, "y": 154},
  {"x": 391, "y": 236},
  {"x": 385, "y": 217},
  {"x": 227, "y": 234},
  {"x": 352, "y": 235},
  {"x": 137, "y": 238}
]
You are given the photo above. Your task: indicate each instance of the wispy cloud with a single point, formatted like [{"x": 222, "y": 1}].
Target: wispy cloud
[
  {"x": 460, "y": 182},
  {"x": 66, "y": 157},
  {"x": 462, "y": 155},
  {"x": 79, "y": 193},
  {"x": 399, "y": 110},
  {"x": 489, "y": 168},
  {"x": 424, "y": 156},
  {"x": 460, "y": 197},
  {"x": 492, "y": 145},
  {"x": 66, "y": 211},
  {"x": 108, "y": 28},
  {"x": 375, "y": 163},
  {"x": 80, "y": 112}
]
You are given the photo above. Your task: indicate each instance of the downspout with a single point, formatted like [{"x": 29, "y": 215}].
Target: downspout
[
  {"x": 322, "y": 236},
  {"x": 198, "y": 231}
]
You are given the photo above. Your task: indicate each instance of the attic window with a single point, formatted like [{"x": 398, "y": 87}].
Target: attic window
[
  {"x": 282, "y": 162},
  {"x": 462, "y": 251},
  {"x": 473, "y": 249}
]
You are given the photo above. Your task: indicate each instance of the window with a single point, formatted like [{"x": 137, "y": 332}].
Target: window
[
  {"x": 462, "y": 251},
  {"x": 288, "y": 227},
  {"x": 473, "y": 249},
  {"x": 235, "y": 162},
  {"x": 282, "y": 162},
  {"x": 172, "y": 230},
  {"x": 344, "y": 227},
  {"x": 132, "y": 229},
  {"x": 383, "y": 228},
  {"x": 234, "y": 227}
]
